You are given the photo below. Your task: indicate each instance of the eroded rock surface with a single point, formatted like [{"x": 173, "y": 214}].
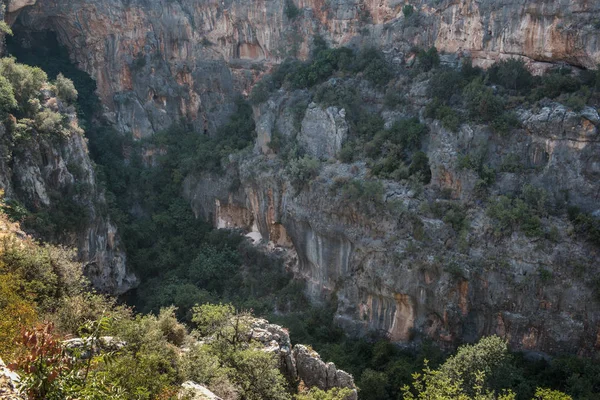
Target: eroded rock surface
[
  {"x": 45, "y": 171},
  {"x": 399, "y": 269},
  {"x": 158, "y": 61},
  {"x": 300, "y": 362}
]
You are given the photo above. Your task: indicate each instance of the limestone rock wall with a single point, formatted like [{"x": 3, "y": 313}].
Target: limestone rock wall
[
  {"x": 43, "y": 171},
  {"x": 158, "y": 61},
  {"x": 398, "y": 269}
]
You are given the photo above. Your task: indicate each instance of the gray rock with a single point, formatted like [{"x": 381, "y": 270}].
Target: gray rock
[
  {"x": 192, "y": 391},
  {"x": 323, "y": 131}
]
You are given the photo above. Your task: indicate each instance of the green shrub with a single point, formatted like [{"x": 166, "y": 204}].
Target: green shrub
[
  {"x": 428, "y": 59},
  {"x": 512, "y": 214},
  {"x": 585, "y": 224},
  {"x": 363, "y": 191},
  {"x": 7, "y": 96},
  {"x": 47, "y": 121},
  {"x": 420, "y": 167},
  {"x": 556, "y": 83},
  {"x": 408, "y": 133},
  {"x": 445, "y": 114},
  {"x": 444, "y": 84},
  {"x": 291, "y": 10},
  {"x": 375, "y": 68},
  {"x": 260, "y": 92},
  {"x": 468, "y": 71},
  {"x": 512, "y": 74},
  {"x": 65, "y": 89},
  {"x": 408, "y": 10},
  {"x": 302, "y": 170},
  {"x": 481, "y": 102},
  {"x": 576, "y": 102},
  {"x": 26, "y": 82}
]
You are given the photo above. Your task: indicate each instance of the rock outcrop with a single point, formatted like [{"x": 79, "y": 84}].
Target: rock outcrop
[
  {"x": 300, "y": 362},
  {"x": 395, "y": 267},
  {"x": 155, "y": 62},
  {"x": 46, "y": 173},
  {"x": 193, "y": 391},
  {"x": 403, "y": 269},
  {"x": 9, "y": 382},
  {"x": 323, "y": 131}
]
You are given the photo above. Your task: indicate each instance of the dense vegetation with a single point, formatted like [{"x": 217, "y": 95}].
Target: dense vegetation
[
  {"x": 144, "y": 361},
  {"x": 184, "y": 262}
]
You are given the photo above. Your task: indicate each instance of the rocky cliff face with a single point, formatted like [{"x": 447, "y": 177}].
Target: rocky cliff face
[
  {"x": 404, "y": 269},
  {"x": 399, "y": 267},
  {"x": 51, "y": 173},
  {"x": 157, "y": 61}
]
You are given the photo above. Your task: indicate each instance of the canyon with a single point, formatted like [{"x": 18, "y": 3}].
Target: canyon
[{"x": 398, "y": 269}]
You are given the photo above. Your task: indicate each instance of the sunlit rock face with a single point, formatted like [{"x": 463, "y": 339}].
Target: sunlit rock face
[
  {"x": 395, "y": 270},
  {"x": 158, "y": 61},
  {"x": 398, "y": 270}
]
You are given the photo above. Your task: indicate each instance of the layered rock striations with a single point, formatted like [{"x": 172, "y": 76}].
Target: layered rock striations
[
  {"x": 401, "y": 268},
  {"x": 155, "y": 62},
  {"x": 52, "y": 171},
  {"x": 396, "y": 267}
]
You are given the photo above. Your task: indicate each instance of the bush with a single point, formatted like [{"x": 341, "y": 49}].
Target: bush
[
  {"x": 445, "y": 84},
  {"x": 445, "y": 114},
  {"x": 481, "y": 102},
  {"x": 408, "y": 10},
  {"x": 303, "y": 170},
  {"x": 428, "y": 59},
  {"x": 420, "y": 167},
  {"x": 556, "y": 83},
  {"x": 7, "y": 96},
  {"x": 65, "y": 89},
  {"x": 512, "y": 74},
  {"x": 408, "y": 132},
  {"x": 290, "y": 10},
  {"x": 374, "y": 66},
  {"x": 511, "y": 214},
  {"x": 585, "y": 224},
  {"x": 26, "y": 82}
]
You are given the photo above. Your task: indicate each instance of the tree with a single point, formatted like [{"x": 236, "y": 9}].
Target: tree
[
  {"x": 7, "y": 96},
  {"x": 65, "y": 89},
  {"x": 373, "y": 385},
  {"x": 257, "y": 374},
  {"x": 318, "y": 394},
  {"x": 26, "y": 81},
  {"x": 548, "y": 394}
]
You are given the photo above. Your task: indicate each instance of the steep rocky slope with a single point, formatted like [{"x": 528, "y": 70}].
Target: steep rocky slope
[
  {"x": 48, "y": 180},
  {"x": 399, "y": 266},
  {"x": 405, "y": 267},
  {"x": 155, "y": 62}
]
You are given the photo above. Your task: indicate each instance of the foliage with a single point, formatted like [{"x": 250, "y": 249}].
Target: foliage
[
  {"x": 65, "y": 89},
  {"x": 7, "y": 96},
  {"x": 428, "y": 59},
  {"x": 524, "y": 212},
  {"x": 303, "y": 170},
  {"x": 291, "y": 10},
  {"x": 318, "y": 394},
  {"x": 481, "y": 102},
  {"x": 43, "y": 365},
  {"x": 325, "y": 63},
  {"x": 511, "y": 74},
  {"x": 585, "y": 224},
  {"x": 444, "y": 84},
  {"x": 445, "y": 114},
  {"x": 420, "y": 167},
  {"x": 408, "y": 10},
  {"x": 26, "y": 82},
  {"x": 366, "y": 192}
]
